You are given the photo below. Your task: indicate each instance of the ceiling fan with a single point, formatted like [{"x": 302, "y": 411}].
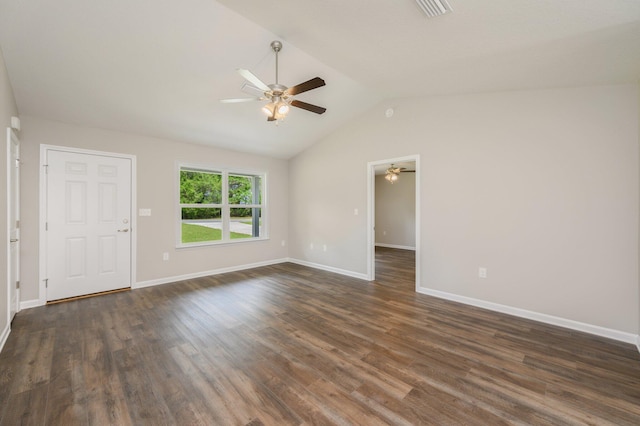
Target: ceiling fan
[
  {"x": 392, "y": 173},
  {"x": 280, "y": 97}
]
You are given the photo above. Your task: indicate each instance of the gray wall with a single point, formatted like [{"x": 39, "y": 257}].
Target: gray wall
[
  {"x": 156, "y": 190},
  {"x": 396, "y": 211},
  {"x": 8, "y": 109},
  {"x": 540, "y": 187}
]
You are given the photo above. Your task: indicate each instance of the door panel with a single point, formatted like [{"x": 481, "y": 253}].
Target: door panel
[
  {"x": 88, "y": 208},
  {"x": 13, "y": 207}
]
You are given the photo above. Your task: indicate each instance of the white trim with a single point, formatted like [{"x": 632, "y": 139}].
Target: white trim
[
  {"x": 8, "y": 212},
  {"x": 4, "y": 336},
  {"x": 33, "y": 303},
  {"x": 352, "y": 274},
  {"x": 12, "y": 137},
  {"x": 167, "y": 280},
  {"x": 395, "y": 246},
  {"x": 42, "y": 269},
  {"x": 638, "y": 342},
  {"x": 371, "y": 207},
  {"x": 536, "y": 316}
]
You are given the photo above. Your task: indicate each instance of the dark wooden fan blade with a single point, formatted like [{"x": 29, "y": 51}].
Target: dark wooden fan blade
[
  {"x": 309, "y": 107},
  {"x": 271, "y": 118},
  {"x": 314, "y": 83}
]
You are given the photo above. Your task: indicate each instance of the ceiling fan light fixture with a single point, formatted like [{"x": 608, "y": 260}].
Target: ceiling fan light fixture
[
  {"x": 268, "y": 109},
  {"x": 392, "y": 174},
  {"x": 283, "y": 108}
]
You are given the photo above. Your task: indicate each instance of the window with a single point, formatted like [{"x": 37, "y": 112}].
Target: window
[{"x": 219, "y": 206}]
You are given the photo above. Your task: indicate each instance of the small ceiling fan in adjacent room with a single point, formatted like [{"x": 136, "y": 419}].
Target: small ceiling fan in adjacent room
[
  {"x": 393, "y": 173},
  {"x": 280, "y": 97}
]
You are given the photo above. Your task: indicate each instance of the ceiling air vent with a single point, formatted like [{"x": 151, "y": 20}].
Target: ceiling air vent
[{"x": 433, "y": 8}]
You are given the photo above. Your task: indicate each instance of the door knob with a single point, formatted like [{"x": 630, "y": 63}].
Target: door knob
[
  {"x": 13, "y": 240},
  {"x": 123, "y": 230}
]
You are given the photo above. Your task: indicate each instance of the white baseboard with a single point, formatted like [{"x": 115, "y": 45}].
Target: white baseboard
[
  {"x": 4, "y": 336},
  {"x": 395, "y": 246},
  {"x": 536, "y": 316},
  {"x": 166, "y": 280},
  {"x": 329, "y": 269},
  {"x": 27, "y": 304}
]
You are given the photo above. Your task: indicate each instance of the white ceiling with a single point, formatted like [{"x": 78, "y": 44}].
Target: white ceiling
[{"x": 159, "y": 68}]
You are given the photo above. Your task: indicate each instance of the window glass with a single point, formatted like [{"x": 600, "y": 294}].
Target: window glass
[
  {"x": 200, "y": 187},
  {"x": 201, "y": 224},
  {"x": 244, "y": 189},
  {"x": 245, "y": 222},
  {"x": 209, "y": 214}
]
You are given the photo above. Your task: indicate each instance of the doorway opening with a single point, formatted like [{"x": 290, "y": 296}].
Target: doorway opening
[{"x": 393, "y": 215}]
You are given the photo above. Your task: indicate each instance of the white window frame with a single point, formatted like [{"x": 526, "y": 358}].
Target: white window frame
[{"x": 224, "y": 206}]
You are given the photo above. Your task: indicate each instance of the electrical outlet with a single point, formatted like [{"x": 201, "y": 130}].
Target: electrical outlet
[
  {"x": 144, "y": 212},
  {"x": 165, "y": 256},
  {"x": 482, "y": 272},
  {"x": 355, "y": 212},
  {"x": 284, "y": 243},
  {"x": 324, "y": 247},
  {"x": 311, "y": 246}
]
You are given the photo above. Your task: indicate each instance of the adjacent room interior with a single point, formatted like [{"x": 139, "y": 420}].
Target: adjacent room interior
[{"x": 400, "y": 212}]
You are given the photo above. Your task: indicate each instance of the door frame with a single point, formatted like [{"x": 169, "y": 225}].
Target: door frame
[
  {"x": 371, "y": 217},
  {"x": 11, "y": 135},
  {"x": 42, "y": 272}
]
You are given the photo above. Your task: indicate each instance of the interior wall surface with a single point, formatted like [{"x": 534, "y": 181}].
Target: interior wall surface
[
  {"x": 539, "y": 187},
  {"x": 395, "y": 212},
  {"x": 157, "y": 183}
]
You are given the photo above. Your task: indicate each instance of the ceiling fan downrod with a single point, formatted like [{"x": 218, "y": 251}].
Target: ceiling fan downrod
[{"x": 277, "y": 47}]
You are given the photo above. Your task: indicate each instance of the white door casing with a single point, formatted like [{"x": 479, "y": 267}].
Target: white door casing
[
  {"x": 371, "y": 207},
  {"x": 13, "y": 222},
  {"x": 88, "y": 223}
]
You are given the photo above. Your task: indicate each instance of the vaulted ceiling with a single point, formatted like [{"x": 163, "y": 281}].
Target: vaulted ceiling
[{"x": 159, "y": 68}]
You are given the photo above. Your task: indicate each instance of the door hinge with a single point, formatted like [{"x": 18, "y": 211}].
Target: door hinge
[
  {"x": 46, "y": 282},
  {"x": 17, "y": 224},
  {"x": 17, "y": 284},
  {"x": 46, "y": 168},
  {"x": 46, "y": 226}
]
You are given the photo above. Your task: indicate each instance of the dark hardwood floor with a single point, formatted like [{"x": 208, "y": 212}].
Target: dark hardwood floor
[{"x": 286, "y": 344}]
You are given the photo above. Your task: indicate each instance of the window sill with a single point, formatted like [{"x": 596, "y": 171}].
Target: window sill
[{"x": 220, "y": 243}]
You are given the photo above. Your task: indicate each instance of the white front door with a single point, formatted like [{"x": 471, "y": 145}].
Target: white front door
[
  {"x": 13, "y": 217},
  {"x": 88, "y": 223}
]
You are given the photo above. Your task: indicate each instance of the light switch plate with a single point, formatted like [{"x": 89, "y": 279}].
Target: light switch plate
[{"x": 144, "y": 212}]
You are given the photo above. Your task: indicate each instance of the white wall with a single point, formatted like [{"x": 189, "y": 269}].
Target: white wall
[
  {"x": 395, "y": 211},
  {"x": 156, "y": 190},
  {"x": 540, "y": 187},
  {"x": 8, "y": 109}
]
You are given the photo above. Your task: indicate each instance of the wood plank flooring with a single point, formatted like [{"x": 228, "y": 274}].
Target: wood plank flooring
[{"x": 289, "y": 345}]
